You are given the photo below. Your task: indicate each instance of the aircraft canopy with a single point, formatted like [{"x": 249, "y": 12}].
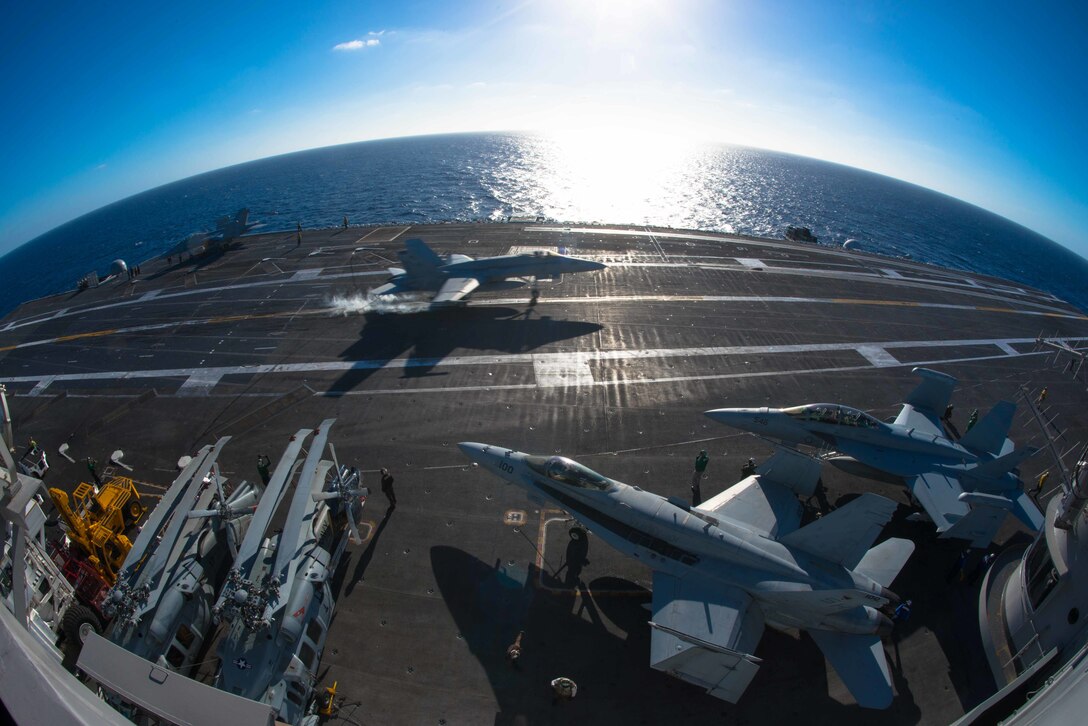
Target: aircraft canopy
[
  {"x": 571, "y": 473},
  {"x": 832, "y": 413}
]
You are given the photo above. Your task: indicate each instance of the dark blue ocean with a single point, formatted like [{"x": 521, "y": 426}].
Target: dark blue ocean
[{"x": 489, "y": 176}]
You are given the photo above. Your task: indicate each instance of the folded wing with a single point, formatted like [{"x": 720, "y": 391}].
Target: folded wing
[{"x": 704, "y": 634}]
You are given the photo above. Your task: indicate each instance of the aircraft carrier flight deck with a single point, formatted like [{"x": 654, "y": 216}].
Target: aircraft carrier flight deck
[{"x": 612, "y": 368}]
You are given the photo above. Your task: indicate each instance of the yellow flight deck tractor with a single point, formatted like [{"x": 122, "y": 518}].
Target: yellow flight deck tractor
[{"x": 98, "y": 522}]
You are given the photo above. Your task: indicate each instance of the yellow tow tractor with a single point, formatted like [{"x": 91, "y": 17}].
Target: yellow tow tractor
[{"x": 97, "y": 525}]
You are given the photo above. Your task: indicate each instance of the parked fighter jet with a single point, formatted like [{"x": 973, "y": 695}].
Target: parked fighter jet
[
  {"x": 738, "y": 562},
  {"x": 966, "y": 487},
  {"x": 226, "y": 230},
  {"x": 455, "y": 276}
]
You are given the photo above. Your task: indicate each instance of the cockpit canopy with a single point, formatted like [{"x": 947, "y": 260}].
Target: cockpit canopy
[
  {"x": 563, "y": 470},
  {"x": 832, "y": 413}
]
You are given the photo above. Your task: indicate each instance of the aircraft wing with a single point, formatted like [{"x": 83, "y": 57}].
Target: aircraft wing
[
  {"x": 455, "y": 288},
  {"x": 762, "y": 505},
  {"x": 704, "y": 634},
  {"x": 860, "y": 662},
  {"x": 939, "y": 495}
]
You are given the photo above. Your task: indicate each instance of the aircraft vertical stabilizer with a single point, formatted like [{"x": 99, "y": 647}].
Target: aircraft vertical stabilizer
[
  {"x": 988, "y": 435},
  {"x": 845, "y": 535},
  {"x": 933, "y": 393}
]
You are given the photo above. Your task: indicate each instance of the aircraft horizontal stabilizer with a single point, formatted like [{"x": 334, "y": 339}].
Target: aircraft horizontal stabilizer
[
  {"x": 882, "y": 563},
  {"x": 791, "y": 469},
  {"x": 933, "y": 393},
  {"x": 988, "y": 435},
  {"x": 845, "y": 535},
  {"x": 1025, "y": 510},
  {"x": 860, "y": 662},
  {"x": 997, "y": 468},
  {"x": 981, "y": 523}
]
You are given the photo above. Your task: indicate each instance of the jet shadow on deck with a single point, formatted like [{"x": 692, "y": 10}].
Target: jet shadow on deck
[{"x": 431, "y": 336}]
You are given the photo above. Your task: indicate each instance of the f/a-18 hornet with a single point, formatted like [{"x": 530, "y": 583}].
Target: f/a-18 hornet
[
  {"x": 967, "y": 487},
  {"x": 453, "y": 277},
  {"x": 740, "y": 561},
  {"x": 227, "y": 229}
]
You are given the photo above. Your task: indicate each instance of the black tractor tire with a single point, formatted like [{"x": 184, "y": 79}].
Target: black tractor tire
[
  {"x": 133, "y": 511},
  {"x": 78, "y": 623}
]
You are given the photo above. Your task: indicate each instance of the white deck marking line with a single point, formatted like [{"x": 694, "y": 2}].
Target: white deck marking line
[
  {"x": 200, "y": 382},
  {"x": 674, "y": 379},
  {"x": 150, "y": 295},
  {"x": 307, "y": 274},
  {"x": 891, "y": 273},
  {"x": 42, "y": 385},
  {"x": 398, "y": 234},
  {"x": 751, "y": 262},
  {"x": 198, "y": 375},
  {"x": 501, "y": 302},
  {"x": 1008, "y": 348},
  {"x": 572, "y": 370},
  {"x": 878, "y": 356}
]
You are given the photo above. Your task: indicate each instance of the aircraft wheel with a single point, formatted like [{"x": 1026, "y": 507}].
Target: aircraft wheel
[
  {"x": 135, "y": 510},
  {"x": 578, "y": 533},
  {"x": 78, "y": 623}
]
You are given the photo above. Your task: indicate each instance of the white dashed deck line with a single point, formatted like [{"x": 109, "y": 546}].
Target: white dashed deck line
[
  {"x": 201, "y": 382},
  {"x": 878, "y": 356},
  {"x": 751, "y": 262},
  {"x": 572, "y": 370},
  {"x": 42, "y": 385}
]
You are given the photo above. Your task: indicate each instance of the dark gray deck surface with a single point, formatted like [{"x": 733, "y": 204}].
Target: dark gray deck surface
[{"x": 612, "y": 368}]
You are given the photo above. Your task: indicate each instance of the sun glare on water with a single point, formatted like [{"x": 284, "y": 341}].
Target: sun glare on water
[{"x": 600, "y": 173}]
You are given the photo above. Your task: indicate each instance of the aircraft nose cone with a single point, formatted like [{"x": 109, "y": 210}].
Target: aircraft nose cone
[
  {"x": 476, "y": 452},
  {"x": 725, "y": 415}
]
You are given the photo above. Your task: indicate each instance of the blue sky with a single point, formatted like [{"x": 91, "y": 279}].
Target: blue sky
[{"x": 982, "y": 100}]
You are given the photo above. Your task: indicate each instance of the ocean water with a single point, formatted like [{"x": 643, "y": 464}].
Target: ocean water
[{"x": 489, "y": 176}]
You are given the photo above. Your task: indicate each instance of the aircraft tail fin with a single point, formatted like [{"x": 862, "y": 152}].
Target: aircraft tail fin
[
  {"x": 882, "y": 563},
  {"x": 933, "y": 393},
  {"x": 845, "y": 535},
  {"x": 420, "y": 261},
  {"x": 988, "y": 435}
]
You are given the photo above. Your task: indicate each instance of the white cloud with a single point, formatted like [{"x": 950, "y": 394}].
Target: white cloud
[{"x": 357, "y": 44}]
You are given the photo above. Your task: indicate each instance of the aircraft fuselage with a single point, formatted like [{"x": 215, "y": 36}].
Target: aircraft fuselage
[
  {"x": 867, "y": 442},
  {"x": 792, "y": 587}
]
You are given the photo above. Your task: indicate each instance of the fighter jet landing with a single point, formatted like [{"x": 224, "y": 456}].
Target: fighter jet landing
[{"x": 452, "y": 278}]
